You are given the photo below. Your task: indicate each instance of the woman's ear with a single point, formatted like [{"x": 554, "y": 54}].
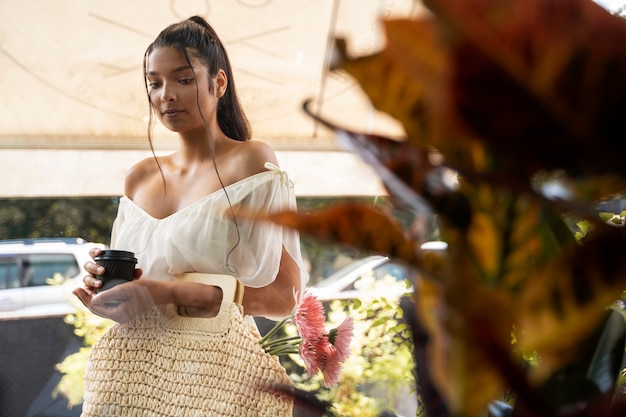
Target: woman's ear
[{"x": 221, "y": 83}]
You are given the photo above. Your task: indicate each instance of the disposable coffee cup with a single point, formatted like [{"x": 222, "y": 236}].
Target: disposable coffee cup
[{"x": 119, "y": 267}]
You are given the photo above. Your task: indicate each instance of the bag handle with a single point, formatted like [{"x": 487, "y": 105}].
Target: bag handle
[
  {"x": 232, "y": 298},
  {"x": 232, "y": 288}
]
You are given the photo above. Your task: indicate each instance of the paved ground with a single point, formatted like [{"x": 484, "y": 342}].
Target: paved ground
[{"x": 29, "y": 350}]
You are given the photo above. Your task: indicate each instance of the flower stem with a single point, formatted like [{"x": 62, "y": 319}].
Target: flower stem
[
  {"x": 274, "y": 329},
  {"x": 287, "y": 341},
  {"x": 283, "y": 350}
]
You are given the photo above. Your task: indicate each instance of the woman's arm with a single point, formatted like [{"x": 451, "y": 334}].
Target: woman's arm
[
  {"x": 126, "y": 301},
  {"x": 273, "y": 301},
  {"x": 277, "y": 299}
]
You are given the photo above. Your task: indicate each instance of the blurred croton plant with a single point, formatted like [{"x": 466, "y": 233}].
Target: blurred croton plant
[{"x": 526, "y": 102}]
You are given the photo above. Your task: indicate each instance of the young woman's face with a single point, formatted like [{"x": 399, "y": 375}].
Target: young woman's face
[{"x": 172, "y": 86}]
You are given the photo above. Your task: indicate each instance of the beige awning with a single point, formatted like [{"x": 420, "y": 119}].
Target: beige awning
[
  {"x": 84, "y": 172},
  {"x": 72, "y": 95}
]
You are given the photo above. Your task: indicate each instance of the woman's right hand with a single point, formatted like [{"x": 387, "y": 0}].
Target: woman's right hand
[
  {"x": 120, "y": 305},
  {"x": 91, "y": 282}
]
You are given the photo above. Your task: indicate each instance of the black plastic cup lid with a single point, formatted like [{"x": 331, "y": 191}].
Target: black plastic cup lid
[{"x": 111, "y": 254}]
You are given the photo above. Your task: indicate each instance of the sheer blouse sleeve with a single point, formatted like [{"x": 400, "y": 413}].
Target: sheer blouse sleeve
[{"x": 261, "y": 242}]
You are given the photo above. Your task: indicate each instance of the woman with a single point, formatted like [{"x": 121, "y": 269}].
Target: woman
[{"x": 180, "y": 212}]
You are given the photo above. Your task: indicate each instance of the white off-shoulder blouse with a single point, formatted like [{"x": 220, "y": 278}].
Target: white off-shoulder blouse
[{"x": 205, "y": 237}]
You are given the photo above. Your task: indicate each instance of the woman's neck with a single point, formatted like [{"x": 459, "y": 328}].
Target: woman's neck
[{"x": 196, "y": 147}]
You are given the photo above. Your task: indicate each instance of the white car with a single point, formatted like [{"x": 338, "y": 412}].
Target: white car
[
  {"x": 350, "y": 281},
  {"x": 344, "y": 284},
  {"x": 26, "y": 269}
]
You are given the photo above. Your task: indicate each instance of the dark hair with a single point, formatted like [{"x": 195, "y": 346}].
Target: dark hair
[{"x": 196, "y": 36}]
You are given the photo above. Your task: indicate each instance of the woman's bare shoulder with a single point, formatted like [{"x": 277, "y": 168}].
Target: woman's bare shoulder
[
  {"x": 142, "y": 172},
  {"x": 254, "y": 154}
]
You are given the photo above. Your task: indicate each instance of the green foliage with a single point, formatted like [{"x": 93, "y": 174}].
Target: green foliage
[
  {"x": 90, "y": 327},
  {"x": 71, "y": 384},
  {"x": 584, "y": 226},
  {"x": 89, "y": 218}
]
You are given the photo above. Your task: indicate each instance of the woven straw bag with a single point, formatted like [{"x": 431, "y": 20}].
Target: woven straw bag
[{"x": 162, "y": 364}]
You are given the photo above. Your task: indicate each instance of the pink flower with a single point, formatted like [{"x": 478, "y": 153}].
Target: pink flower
[
  {"x": 320, "y": 355},
  {"x": 319, "y": 350},
  {"x": 332, "y": 366},
  {"x": 313, "y": 354},
  {"x": 341, "y": 337},
  {"x": 309, "y": 317}
]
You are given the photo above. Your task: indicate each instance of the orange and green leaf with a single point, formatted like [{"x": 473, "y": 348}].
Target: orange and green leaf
[
  {"x": 405, "y": 81},
  {"x": 539, "y": 81},
  {"x": 561, "y": 303}
]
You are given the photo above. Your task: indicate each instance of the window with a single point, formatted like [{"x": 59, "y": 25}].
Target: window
[
  {"x": 399, "y": 272},
  {"x": 9, "y": 273},
  {"x": 40, "y": 267}
]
